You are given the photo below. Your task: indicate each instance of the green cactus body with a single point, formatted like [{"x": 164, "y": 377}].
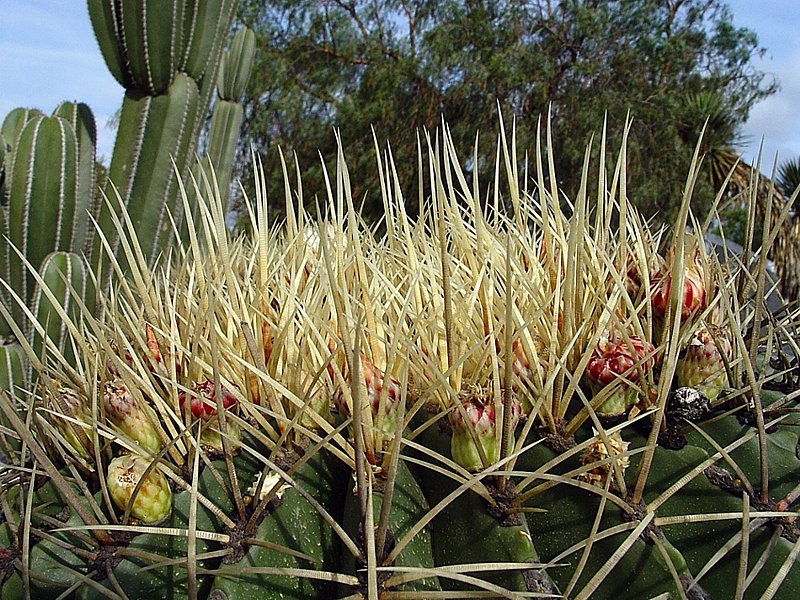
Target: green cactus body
[
  {"x": 294, "y": 524},
  {"x": 56, "y": 563},
  {"x": 409, "y": 506},
  {"x": 153, "y": 131},
  {"x": 464, "y": 532},
  {"x": 64, "y": 274},
  {"x": 699, "y": 541},
  {"x": 83, "y": 124},
  {"x": 41, "y": 212},
  {"x": 168, "y": 581},
  {"x": 205, "y": 30},
  {"x": 567, "y": 521},
  {"x": 165, "y": 54},
  {"x": 141, "y": 40}
]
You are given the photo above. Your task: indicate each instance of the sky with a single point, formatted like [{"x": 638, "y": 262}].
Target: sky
[{"x": 49, "y": 54}]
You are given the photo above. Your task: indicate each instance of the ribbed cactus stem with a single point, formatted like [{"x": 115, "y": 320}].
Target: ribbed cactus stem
[
  {"x": 228, "y": 113},
  {"x": 206, "y": 26},
  {"x": 83, "y": 124},
  {"x": 41, "y": 211},
  {"x": 236, "y": 65},
  {"x": 14, "y": 122},
  {"x": 64, "y": 274},
  {"x": 165, "y": 53},
  {"x": 153, "y": 132},
  {"x": 141, "y": 40}
]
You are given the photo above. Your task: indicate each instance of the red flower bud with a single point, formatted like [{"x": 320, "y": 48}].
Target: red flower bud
[
  {"x": 613, "y": 358},
  {"x": 203, "y": 399}
]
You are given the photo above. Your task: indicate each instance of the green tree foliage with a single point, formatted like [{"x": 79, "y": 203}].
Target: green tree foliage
[
  {"x": 789, "y": 176},
  {"x": 401, "y": 66}
]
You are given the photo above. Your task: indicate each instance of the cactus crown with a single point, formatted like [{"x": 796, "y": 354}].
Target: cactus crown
[{"x": 445, "y": 370}]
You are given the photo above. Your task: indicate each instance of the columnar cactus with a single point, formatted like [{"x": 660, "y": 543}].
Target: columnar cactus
[
  {"x": 165, "y": 55},
  {"x": 42, "y": 198},
  {"x": 228, "y": 113}
]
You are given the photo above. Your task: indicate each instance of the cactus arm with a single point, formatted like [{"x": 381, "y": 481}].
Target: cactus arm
[
  {"x": 228, "y": 113},
  {"x": 42, "y": 196},
  {"x": 236, "y": 65},
  {"x": 296, "y": 525},
  {"x": 140, "y": 40},
  {"x": 226, "y": 123},
  {"x": 151, "y": 34},
  {"x": 83, "y": 124},
  {"x": 64, "y": 274},
  {"x": 103, "y": 15},
  {"x": 205, "y": 28}
]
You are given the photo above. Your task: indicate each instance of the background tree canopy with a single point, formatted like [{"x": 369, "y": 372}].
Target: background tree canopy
[{"x": 401, "y": 66}]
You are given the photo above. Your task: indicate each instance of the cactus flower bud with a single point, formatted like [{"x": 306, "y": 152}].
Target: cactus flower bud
[
  {"x": 525, "y": 373},
  {"x": 613, "y": 359},
  {"x": 153, "y": 502},
  {"x": 482, "y": 418},
  {"x": 203, "y": 399},
  {"x": 375, "y": 381},
  {"x": 201, "y": 402},
  {"x": 70, "y": 404},
  {"x": 693, "y": 299},
  {"x": 703, "y": 365},
  {"x": 132, "y": 417}
]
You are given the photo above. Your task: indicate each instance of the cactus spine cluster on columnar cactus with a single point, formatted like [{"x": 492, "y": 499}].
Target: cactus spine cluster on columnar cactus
[{"x": 322, "y": 411}]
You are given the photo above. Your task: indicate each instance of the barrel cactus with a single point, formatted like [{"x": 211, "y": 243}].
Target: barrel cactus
[{"x": 478, "y": 403}]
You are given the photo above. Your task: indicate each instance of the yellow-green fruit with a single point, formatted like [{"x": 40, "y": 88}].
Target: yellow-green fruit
[{"x": 152, "y": 502}]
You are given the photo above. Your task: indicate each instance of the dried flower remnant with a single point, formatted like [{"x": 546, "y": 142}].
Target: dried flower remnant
[
  {"x": 703, "y": 365},
  {"x": 599, "y": 451}
]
